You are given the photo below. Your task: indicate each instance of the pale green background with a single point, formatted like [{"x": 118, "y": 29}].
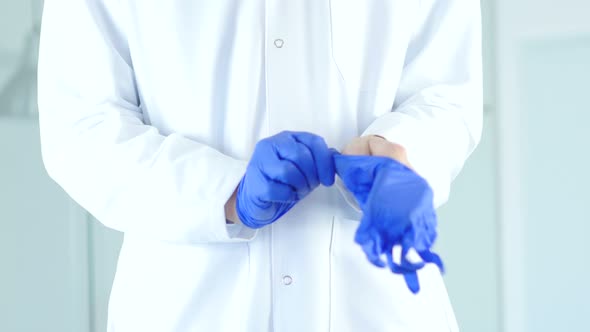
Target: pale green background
[{"x": 556, "y": 128}]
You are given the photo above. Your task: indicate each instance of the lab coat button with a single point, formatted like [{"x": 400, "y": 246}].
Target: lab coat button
[
  {"x": 279, "y": 43},
  {"x": 287, "y": 280}
]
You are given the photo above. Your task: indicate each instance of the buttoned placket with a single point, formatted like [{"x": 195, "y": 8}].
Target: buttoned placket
[
  {"x": 277, "y": 53},
  {"x": 291, "y": 32}
]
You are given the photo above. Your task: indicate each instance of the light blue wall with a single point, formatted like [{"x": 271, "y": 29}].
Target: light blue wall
[
  {"x": 104, "y": 251},
  {"x": 43, "y": 285},
  {"x": 469, "y": 221},
  {"x": 19, "y": 38},
  {"x": 468, "y": 234},
  {"x": 556, "y": 157}
]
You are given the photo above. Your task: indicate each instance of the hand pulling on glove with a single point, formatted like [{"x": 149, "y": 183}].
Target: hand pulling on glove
[
  {"x": 395, "y": 201},
  {"x": 283, "y": 169},
  {"x": 397, "y": 210}
]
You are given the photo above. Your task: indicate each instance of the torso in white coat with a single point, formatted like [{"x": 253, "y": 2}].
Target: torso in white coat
[{"x": 225, "y": 74}]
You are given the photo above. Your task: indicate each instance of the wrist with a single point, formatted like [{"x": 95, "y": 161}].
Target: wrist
[
  {"x": 375, "y": 145},
  {"x": 231, "y": 215},
  {"x": 379, "y": 146}
]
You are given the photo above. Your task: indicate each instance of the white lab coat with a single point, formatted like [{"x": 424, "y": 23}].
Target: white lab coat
[{"x": 149, "y": 111}]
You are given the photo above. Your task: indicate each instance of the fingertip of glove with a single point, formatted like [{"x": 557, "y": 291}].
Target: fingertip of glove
[
  {"x": 375, "y": 260},
  {"x": 329, "y": 179},
  {"x": 412, "y": 282},
  {"x": 361, "y": 237},
  {"x": 430, "y": 257}
]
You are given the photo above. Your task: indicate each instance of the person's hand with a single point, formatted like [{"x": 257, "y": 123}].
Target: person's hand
[
  {"x": 283, "y": 170},
  {"x": 373, "y": 145},
  {"x": 397, "y": 210}
]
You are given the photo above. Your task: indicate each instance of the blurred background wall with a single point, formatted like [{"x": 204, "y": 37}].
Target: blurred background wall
[{"x": 512, "y": 235}]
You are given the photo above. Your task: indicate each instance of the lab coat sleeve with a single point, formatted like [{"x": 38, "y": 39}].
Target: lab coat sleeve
[
  {"x": 437, "y": 113},
  {"x": 98, "y": 148}
]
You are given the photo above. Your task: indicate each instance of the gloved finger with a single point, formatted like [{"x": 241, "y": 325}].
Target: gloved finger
[
  {"x": 399, "y": 269},
  {"x": 371, "y": 253},
  {"x": 363, "y": 232},
  {"x": 323, "y": 156},
  {"x": 370, "y": 247},
  {"x": 284, "y": 172},
  {"x": 424, "y": 228},
  {"x": 276, "y": 192},
  {"x": 412, "y": 281},
  {"x": 410, "y": 266},
  {"x": 405, "y": 266},
  {"x": 379, "y": 244},
  {"x": 407, "y": 269},
  {"x": 406, "y": 263},
  {"x": 394, "y": 267},
  {"x": 302, "y": 158},
  {"x": 430, "y": 257}
]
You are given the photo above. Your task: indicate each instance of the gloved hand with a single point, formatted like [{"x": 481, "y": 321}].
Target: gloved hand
[
  {"x": 283, "y": 169},
  {"x": 397, "y": 210}
]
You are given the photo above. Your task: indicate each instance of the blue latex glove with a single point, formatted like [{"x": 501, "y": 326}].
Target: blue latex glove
[
  {"x": 397, "y": 210},
  {"x": 283, "y": 169}
]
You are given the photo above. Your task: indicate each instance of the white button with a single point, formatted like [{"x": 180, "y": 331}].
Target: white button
[
  {"x": 287, "y": 280},
  {"x": 279, "y": 43}
]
